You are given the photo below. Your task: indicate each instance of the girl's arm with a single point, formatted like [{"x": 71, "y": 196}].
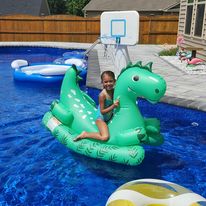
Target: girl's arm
[{"x": 103, "y": 110}]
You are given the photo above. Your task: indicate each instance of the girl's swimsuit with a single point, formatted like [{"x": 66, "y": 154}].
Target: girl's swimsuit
[{"x": 106, "y": 117}]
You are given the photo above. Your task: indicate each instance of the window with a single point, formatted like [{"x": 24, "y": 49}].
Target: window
[
  {"x": 193, "y": 26},
  {"x": 199, "y": 19},
  {"x": 188, "y": 19}
]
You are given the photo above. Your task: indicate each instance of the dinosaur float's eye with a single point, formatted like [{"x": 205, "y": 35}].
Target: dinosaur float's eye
[
  {"x": 157, "y": 91},
  {"x": 135, "y": 78}
]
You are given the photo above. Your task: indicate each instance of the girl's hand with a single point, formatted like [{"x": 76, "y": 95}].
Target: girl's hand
[{"x": 116, "y": 103}]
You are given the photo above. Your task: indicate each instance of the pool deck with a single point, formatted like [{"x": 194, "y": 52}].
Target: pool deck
[{"x": 183, "y": 89}]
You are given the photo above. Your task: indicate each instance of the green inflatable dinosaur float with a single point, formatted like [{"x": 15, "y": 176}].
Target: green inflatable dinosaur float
[{"x": 76, "y": 112}]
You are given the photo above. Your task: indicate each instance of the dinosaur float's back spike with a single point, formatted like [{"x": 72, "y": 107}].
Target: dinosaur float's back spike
[
  {"x": 138, "y": 64},
  {"x": 77, "y": 72},
  {"x": 74, "y": 67},
  {"x": 79, "y": 78},
  {"x": 148, "y": 66},
  {"x": 129, "y": 65}
]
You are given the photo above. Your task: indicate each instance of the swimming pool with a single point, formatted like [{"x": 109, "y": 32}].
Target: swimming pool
[{"x": 35, "y": 169}]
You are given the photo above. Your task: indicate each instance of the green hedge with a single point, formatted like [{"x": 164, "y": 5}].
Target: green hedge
[{"x": 168, "y": 52}]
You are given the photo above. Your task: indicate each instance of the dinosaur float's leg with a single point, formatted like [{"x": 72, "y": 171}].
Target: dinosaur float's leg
[
  {"x": 63, "y": 115},
  {"x": 128, "y": 137},
  {"x": 154, "y": 137},
  {"x": 152, "y": 125}
]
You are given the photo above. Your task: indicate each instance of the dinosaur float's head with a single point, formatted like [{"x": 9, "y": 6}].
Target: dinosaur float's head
[{"x": 139, "y": 81}]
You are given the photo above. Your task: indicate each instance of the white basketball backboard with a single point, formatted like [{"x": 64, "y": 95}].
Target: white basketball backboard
[{"x": 120, "y": 27}]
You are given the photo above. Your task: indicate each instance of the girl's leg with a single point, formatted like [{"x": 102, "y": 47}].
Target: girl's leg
[
  {"x": 103, "y": 130},
  {"x": 102, "y": 135}
]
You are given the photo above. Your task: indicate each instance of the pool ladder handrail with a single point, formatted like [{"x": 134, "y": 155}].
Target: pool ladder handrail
[{"x": 92, "y": 46}]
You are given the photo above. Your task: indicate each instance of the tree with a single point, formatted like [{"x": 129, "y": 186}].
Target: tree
[
  {"x": 73, "y": 7},
  {"x": 57, "y": 6}
]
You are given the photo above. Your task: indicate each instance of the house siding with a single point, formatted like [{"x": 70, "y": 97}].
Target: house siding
[
  {"x": 191, "y": 40},
  {"x": 145, "y": 8},
  {"x": 92, "y": 13}
]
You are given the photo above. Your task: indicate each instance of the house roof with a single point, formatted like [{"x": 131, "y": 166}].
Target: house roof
[
  {"x": 31, "y": 7},
  {"x": 138, "y": 5}
]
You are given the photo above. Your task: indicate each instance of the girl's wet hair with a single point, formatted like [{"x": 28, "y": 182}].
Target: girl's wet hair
[{"x": 109, "y": 73}]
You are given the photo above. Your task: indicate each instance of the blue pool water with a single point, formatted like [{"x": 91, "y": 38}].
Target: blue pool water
[{"x": 35, "y": 169}]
